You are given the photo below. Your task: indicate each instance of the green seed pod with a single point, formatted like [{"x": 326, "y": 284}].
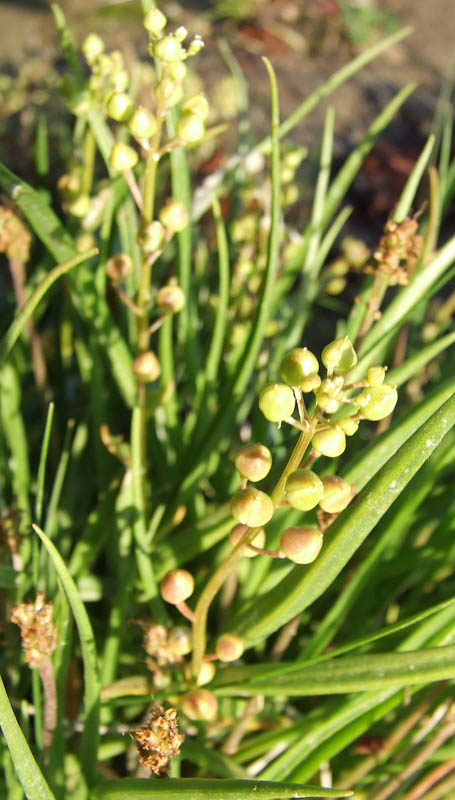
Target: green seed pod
[
  {"x": 304, "y": 489},
  {"x": 229, "y": 647},
  {"x": 146, "y": 367},
  {"x": 377, "y": 402},
  {"x": 151, "y": 237},
  {"x": 169, "y": 91},
  {"x": 330, "y": 441},
  {"x": 80, "y": 206},
  {"x": 120, "y": 80},
  {"x": 69, "y": 185},
  {"x": 179, "y": 641},
  {"x": 120, "y": 106},
  {"x": 123, "y": 157},
  {"x": 329, "y": 396},
  {"x": 337, "y": 494},
  {"x": 236, "y": 534},
  {"x": 169, "y": 49},
  {"x": 339, "y": 356},
  {"x": 142, "y": 124},
  {"x": 177, "y": 586},
  {"x": 298, "y": 365},
  {"x": 174, "y": 216},
  {"x": 177, "y": 71},
  {"x": 200, "y": 704},
  {"x": 253, "y": 461},
  {"x": 170, "y": 299},
  {"x": 376, "y": 375},
  {"x": 335, "y": 286},
  {"x": 190, "y": 128},
  {"x": 252, "y": 507},
  {"x": 154, "y": 21},
  {"x": 119, "y": 267},
  {"x": 310, "y": 384},
  {"x": 295, "y": 157},
  {"x": 206, "y": 673},
  {"x": 301, "y": 545},
  {"x": 92, "y": 47},
  {"x": 349, "y": 425},
  {"x": 197, "y": 105},
  {"x": 277, "y": 402}
]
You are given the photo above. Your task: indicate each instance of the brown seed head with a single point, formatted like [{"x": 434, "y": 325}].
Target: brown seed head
[
  {"x": 159, "y": 741},
  {"x": 39, "y": 635}
]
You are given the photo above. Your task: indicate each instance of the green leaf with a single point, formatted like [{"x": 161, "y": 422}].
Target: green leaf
[{"x": 207, "y": 789}]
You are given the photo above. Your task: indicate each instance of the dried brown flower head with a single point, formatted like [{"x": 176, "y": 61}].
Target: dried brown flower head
[
  {"x": 39, "y": 635},
  {"x": 399, "y": 250},
  {"x": 159, "y": 741},
  {"x": 14, "y": 237}
]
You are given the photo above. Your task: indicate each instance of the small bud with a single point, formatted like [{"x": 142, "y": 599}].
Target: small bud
[
  {"x": 69, "y": 185},
  {"x": 376, "y": 375},
  {"x": 349, "y": 425},
  {"x": 197, "y": 105},
  {"x": 301, "y": 545},
  {"x": 310, "y": 384},
  {"x": 169, "y": 91},
  {"x": 174, "y": 216},
  {"x": 298, "y": 365},
  {"x": 177, "y": 586},
  {"x": 252, "y": 507},
  {"x": 238, "y": 531},
  {"x": 329, "y": 396},
  {"x": 177, "y": 71},
  {"x": 195, "y": 46},
  {"x": 190, "y": 128},
  {"x": 154, "y": 21},
  {"x": 123, "y": 157},
  {"x": 146, "y": 367},
  {"x": 92, "y": 47},
  {"x": 339, "y": 356},
  {"x": 169, "y": 49},
  {"x": 206, "y": 673},
  {"x": 170, "y": 299},
  {"x": 119, "y": 267},
  {"x": 377, "y": 402},
  {"x": 253, "y": 461},
  {"x": 200, "y": 704},
  {"x": 335, "y": 286},
  {"x": 80, "y": 206},
  {"x": 120, "y": 80},
  {"x": 151, "y": 237},
  {"x": 337, "y": 494},
  {"x": 330, "y": 441},
  {"x": 120, "y": 106},
  {"x": 142, "y": 124},
  {"x": 229, "y": 647},
  {"x": 304, "y": 489},
  {"x": 179, "y": 641},
  {"x": 277, "y": 402}
]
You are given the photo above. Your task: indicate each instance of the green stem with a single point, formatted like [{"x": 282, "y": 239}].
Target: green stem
[
  {"x": 218, "y": 578},
  {"x": 89, "y": 160}
]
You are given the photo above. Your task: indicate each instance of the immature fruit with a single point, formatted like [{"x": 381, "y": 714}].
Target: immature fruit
[
  {"x": 177, "y": 586},
  {"x": 304, "y": 489},
  {"x": 376, "y": 375},
  {"x": 142, "y": 124},
  {"x": 154, "y": 21},
  {"x": 349, "y": 425},
  {"x": 168, "y": 49},
  {"x": 80, "y": 206},
  {"x": 197, "y": 105},
  {"x": 119, "y": 267},
  {"x": 377, "y": 402},
  {"x": 151, "y": 237},
  {"x": 298, "y": 365},
  {"x": 190, "y": 128},
  {"x": 200, "y": 704},
  {"x": 310, "y": 384},
  {"x": 339, "y": 356},
  {"x": 301, "y": 545},
  {"x": 229, "y": 647},
  {"x": 329, "y": 395},
  {"x": 331, "y": 441},
  {"x": 277, "y": 402},
  {"x": 337, "y": 494},
  {"x": 179, "y": 641},
  {"x": 174, "y": 216},
  {"x": 238, "y": 531},
  {"x": 92, "y": 47},
  {"x": 252, "y": 507},
  {"x": 120, "y": 106},
  {"x": 146, "y": 367},
  {"x": 123, "y": 157},
  {"x": 253, "y": 461},
  {"x": 170, "y": 299}
]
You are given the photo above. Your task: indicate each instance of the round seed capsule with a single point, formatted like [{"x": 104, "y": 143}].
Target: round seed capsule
[
  {"x": 120, "y": 106},
  {"x": 168, "y": 49},
  {"x": 298, "y": 365},
  {"x": 377, "y": 402},
  {"x": 349, "y": 425},
  {"x": 339, "y": 356},
  {"x": 253, "y": 461},
  {"x": 170, "y": 299},
  {"x": 92, "y": 47},
  {"x": 376, "y": 375},
  {"x": 119, "y": 267},
  {"x": 330, "y": 441},
  {"x": 146, "y": 367},
  {"x": 179, "y": 641},
  {"x": 301, "y": 545},
  {"x": 304, "y": 489},
  {"x": 200, "y": 704},
  {"x": 229, "y": 647},
  {"x": 174, "y": 216},
  {"x": 151, "y": 237},
  {"x": 337, "y": 494},
  {"x": 154, "y": 21},
  {"x": 252, "y": 507},
  {"x": 277, "y": 402},
  {"x": 190, "y": 128},
  {"x": 142, "y": 124},
  {"x": 238, "y": 532},
  {"x": 177, "y": 586},
  {"x": 123, "y": 157}
]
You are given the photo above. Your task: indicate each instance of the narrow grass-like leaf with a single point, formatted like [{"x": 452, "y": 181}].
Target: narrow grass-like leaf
[
  {"x": 204, "y": 788},
  {"x": 408, "y": 194},
  {"x": 413, "y": 365},
  {"x": 90, "y": 736},
  {"x": 28, "y": 771},
  {"x": 42, "y": 463}
]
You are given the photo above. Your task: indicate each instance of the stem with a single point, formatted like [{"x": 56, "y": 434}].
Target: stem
[
  {"x": 185, "y": 610},
  {"x": 216, "y": 581},
  {"x": 429, "y": 780},
  {"x": 46, "y": 673},
  {"x": 88, "y": 160}
]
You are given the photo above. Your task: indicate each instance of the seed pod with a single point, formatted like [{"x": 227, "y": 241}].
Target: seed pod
[
  {"x": 310, "y": 384},
  {"x": 179, "y": 641},
  {"x": 236, "y": 534},
  {"x": 377, "y": 402},
  {"x": 174, "y": 216},
  {"x": 154, "y": 21},
  {"x": 329, "y": 396},
  {"x": 349, "y": 425},
  {"x": 304, "y": 489},
  {"x": 120, "y": 106},
  {"x": 170, "y": 299},
  {"x": 229, "y": 647},
  {"x": 197, "y": 105},
  {"x": 142, "y": 124},
  {"x": 92, "y": 47},
  {"x": 376, "y": 375},
  {"x": 206, "y": 673},
  {"x": 252, "y": 507},
  {"x": 151, "y": 237},
  {"x": 177, "y": 71},
  {"x": 330, "y": 441},
  {"x": 337, "y": 494},
  {"x": 169, "y": 91},
  {"x": 119, "y": 267},
  {"x": 298, "y": 365},
  {"x": 301, "y": 545},
  {"x": 146, "y": 367},
  {"x": 253, "y": 461},
  {"x": 168, "y": 49},
  {"x": 120, "y": 80},
  {"x": 80, "y": 206},
  {"x": 177, "y": 586},
  {"x": 277, "y": 402},
  {"x": 123, "y": 157},
  {"x": 190, "y": 128},
  {"x": 339, "y": 356},
  {"x": 200, "y": 704}
]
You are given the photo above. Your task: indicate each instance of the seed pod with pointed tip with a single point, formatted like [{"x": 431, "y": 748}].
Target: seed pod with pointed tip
[
  {"x": 190, "y": 128},
  {"x": 123, "y": 157},
  {"x": 229, "y": 647},
  {"x": 376, "y": 375},
  {"x": 170, "y": 299},
  {"x": 142, "y": 124},
  {"x": 168, "y": 49},
  {"x": 304, "y": 489},
  {"x": 301, "y": 545},
  {"x": 92, "y": 47},
  {"x": 253, "y": 461},
  {"x": 119, "y": 267},
  {"x": 298, "y": 365},
  {"x": 197, "y": 105},
  {"x": 277, "y": 402},
  {"x": 200, "y": 704},
  {"x": 349, "y": 425},
  {"x": 146, "y": 367},
  {"x": 252, "y": 507},
  {"x": 339, "y": 356},
  {"x": 236, "y": 534},
  {"x": 337, "y": 494},
  {"x": 377, "y": 402},
  {"x": 120, "y": 106},
  {"x": 331, "y": 441},
  {"x": 154, "y": 21},
  {"x": 177, "y": 586},
  {"x": 151, "y": 237},
  {"x": 174, "y": 216}
]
